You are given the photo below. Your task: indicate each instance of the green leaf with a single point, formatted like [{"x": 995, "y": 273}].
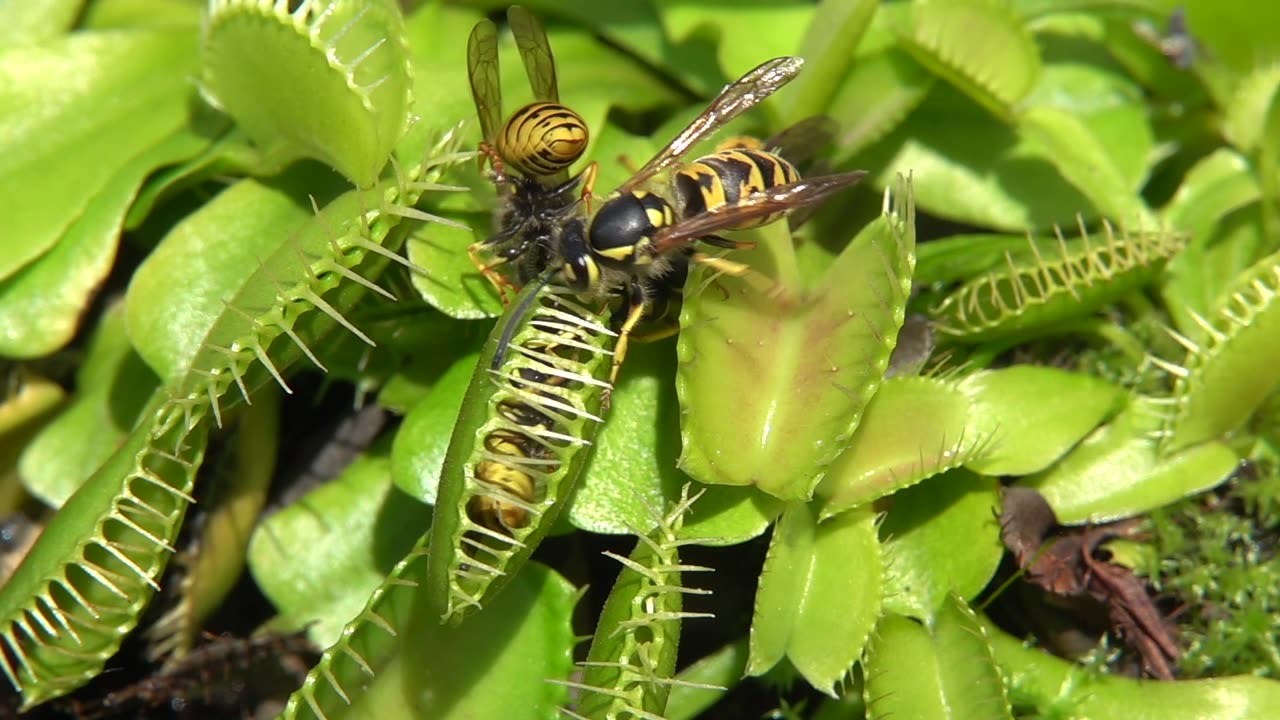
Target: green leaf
[
  {"x": 959, "y": 257},
  {"x": 214, "y": 255},
  {"x": 835, "y": 29},
  {"x": 945, "y": 671},
  {"x": 24, "y": 413},
  {"x": 1245, "y": 124},
  {"x": 1082, "y": 81},
  {"x": 814, "y": 361},
  {"x": 41, "y": 304},
  {"x": 978, "y": 46},
  {"x": 499, "y": 660},
  {"x": 1061, "y": 688},
  {"x": 1063, "y": 139},
  {"x": 1117, "y": 471},
  {"x": 819, "y": 595},
  {"x": 973, "y": 169},
  {"x": 1033, "y": 415},
  {"x": 417, "y": 456},
  {"x": 876, "y": 96},
  {"x": 786, "y": 20},
  {"x": 104, "y": 14},
  {"x": 922, "y": 531},
  {"x": 726, "y": 515},
  {"x": 113, "y": 386},
  {"x": 630, "y": 472},
  {"x": 331, "y": 81},
  {"x": 1215, "y": 187},
  {"x": 111, "y": 106},
  {"x": 320, "y": 558},
  {"x": 696, "y": 689},
  {"x": 914, "y": 427},
  {"x": 451, "y": 283},
  {"x": 29, "y": 23}
]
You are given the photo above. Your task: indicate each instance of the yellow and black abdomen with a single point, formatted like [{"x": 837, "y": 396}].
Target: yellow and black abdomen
[
  {"x": 726, "y": 178},
  {"x": 542, "y": 139}
]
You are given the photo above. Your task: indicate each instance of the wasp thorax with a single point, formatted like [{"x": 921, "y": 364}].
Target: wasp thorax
[
  {"x": 625, "y": 224},
  {"x": 542, "y": 139}
]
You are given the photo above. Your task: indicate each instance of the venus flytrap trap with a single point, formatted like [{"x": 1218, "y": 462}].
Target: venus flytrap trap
[
  {"x": 210, "y": 565},
  {"x": 519, "y": 445},
  {"x": 83, "y": 586},
  {"x": 630, "y": 668},
  {"x": 820, "y": 348},
  {"x": 86, "y": 584},
  {"x": 337, "y": 83},
  {"x": 810, "y": 607},
  {"x": 1044, "y": 286},
  {"x": 948, "y": 38},
  {"x": 942, "y": 668},
  {"x": 1227, "y": 374}
]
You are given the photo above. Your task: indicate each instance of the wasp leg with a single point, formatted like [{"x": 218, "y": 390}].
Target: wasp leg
[
  {"x": 661, "y": 333},
  {"x": 757, "y": 280},
  {"x": 490, "y": 153},
  {"x": 639, "y": 305},
  {"x": 726, "y": 243},
  {"x": 500, "y": 283},
  {"x": 626, "y": 162},
  {"x": 589, "y": 185}
]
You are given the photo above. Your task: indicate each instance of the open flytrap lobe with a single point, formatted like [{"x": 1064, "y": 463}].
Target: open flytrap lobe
[
  {"x": 340, "y": 85},
  {"x": 1037, "y": 289}
]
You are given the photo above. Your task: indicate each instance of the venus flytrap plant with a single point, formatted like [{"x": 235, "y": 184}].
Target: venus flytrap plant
[
  {"x": 905, "y": 468},
  {"x": 119, "y": 528}
]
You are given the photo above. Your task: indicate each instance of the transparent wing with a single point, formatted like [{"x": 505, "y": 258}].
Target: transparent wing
[
  {"x": 482, "y": 70},
  {"x": 738, "y": 97},
  {"x": 801, "y": 142},
  {"x": 535, "y": 51},
  {"x": 801, "y": 194}
]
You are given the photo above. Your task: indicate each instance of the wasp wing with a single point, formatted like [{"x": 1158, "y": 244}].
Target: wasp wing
[
  {"x": 738, "y": 97},
  {"x": 535, "y": 51},
  {"x": 782, "y": 198},
  {"x": 803, "y": 141},
  {"x": 482, "y": 70}
]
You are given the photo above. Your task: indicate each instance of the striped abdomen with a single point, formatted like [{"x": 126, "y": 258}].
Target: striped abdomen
[
  {"x": 542, "y": 139},
  {"x": 726, "y": 178}
]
